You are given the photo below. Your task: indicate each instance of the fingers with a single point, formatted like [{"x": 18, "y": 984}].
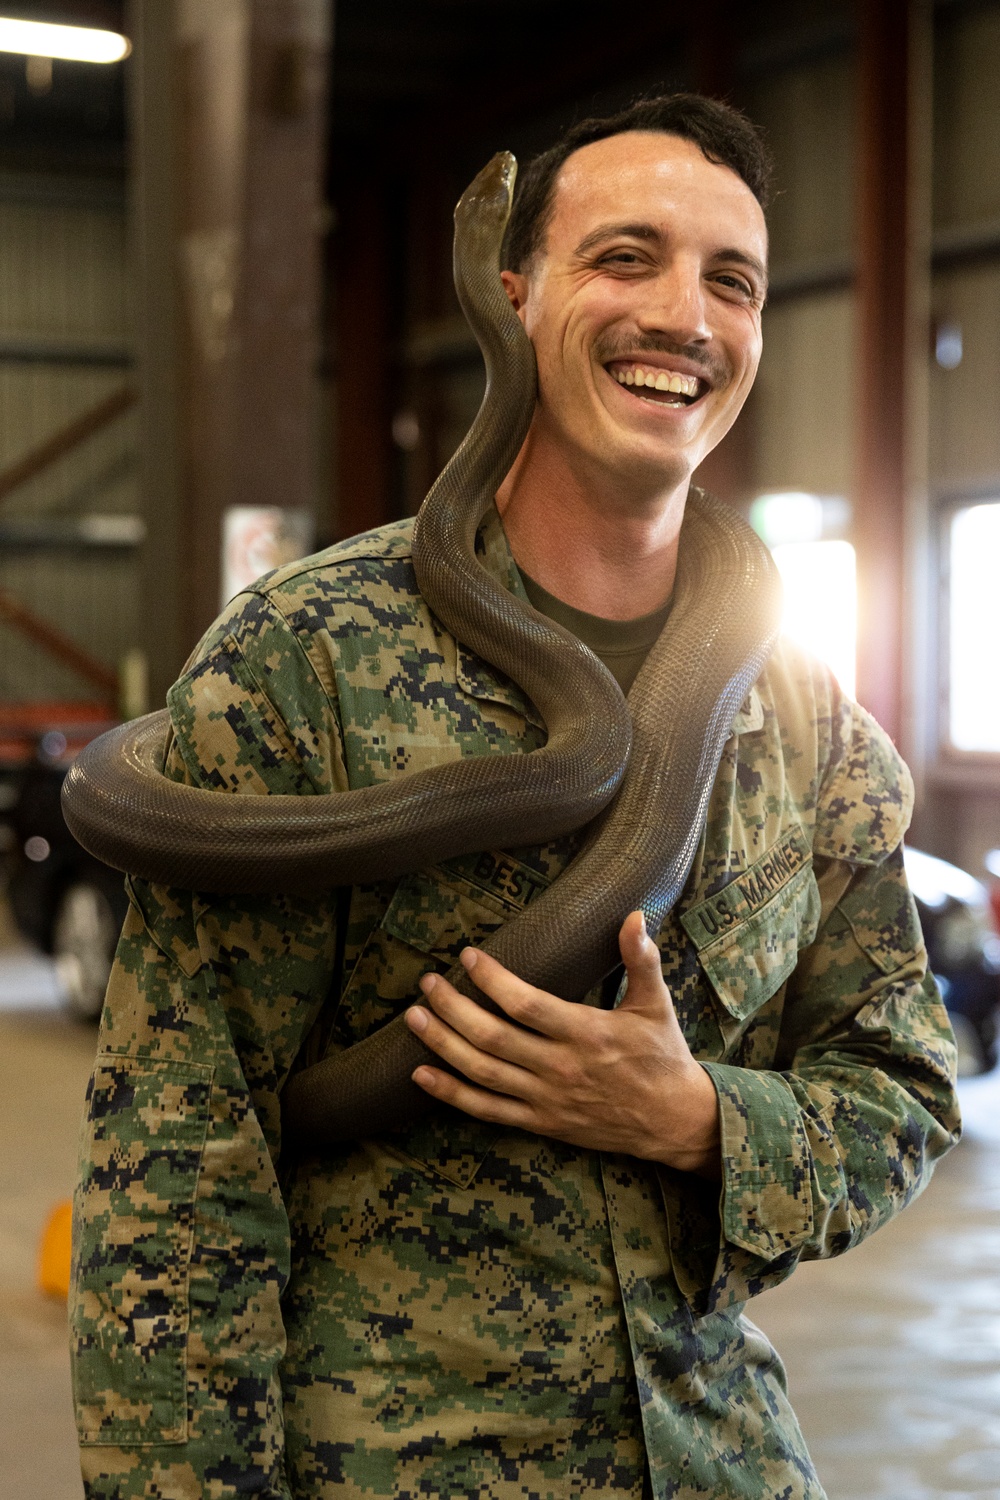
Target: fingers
[
  {"x": 475, "y": 1045},
  {"x": 641, "y": 958},
  {"x": 483, "y": 1047},
  {"x": 494, "y": 1108},
  {"x": 639, "y": 951},
  {"x": 528, "y": 1006},
  {"x": 483, "y": 1029},
  {"x": 633, "y": 940}
]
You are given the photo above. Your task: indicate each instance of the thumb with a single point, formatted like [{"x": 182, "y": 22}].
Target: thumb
[{"x": 641, "y": 958}]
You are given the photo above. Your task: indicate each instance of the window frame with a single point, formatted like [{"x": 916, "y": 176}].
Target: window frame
[{"x": 951, "y": 762}]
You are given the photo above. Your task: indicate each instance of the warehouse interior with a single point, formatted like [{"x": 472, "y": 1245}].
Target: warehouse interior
[{"x": 229, "y": 337}]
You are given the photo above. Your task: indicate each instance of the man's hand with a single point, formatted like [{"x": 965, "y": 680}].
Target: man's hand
[{"x": 621, "y": 1080}]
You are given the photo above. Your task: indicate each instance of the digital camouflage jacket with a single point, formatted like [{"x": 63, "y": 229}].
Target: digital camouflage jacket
[{"x": 456, "y": 1310}]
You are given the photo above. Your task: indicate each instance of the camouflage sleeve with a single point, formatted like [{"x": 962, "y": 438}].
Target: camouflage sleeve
[
  {"x": 845, "y": 1131},
  {"x": 181, "y": 1240}
]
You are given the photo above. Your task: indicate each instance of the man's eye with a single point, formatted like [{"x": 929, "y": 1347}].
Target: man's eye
[
  {"x": 620, "y": 258},
  {"x": 736, "y": 284}
]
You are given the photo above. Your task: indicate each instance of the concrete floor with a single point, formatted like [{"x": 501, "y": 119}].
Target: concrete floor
[
  {"x": 45, "y": 1061},
  {"x": 893, "y": 1353}
]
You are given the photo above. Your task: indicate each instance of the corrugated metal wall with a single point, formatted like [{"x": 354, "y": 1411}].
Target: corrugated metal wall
[
  {"x": 804, "y": 397},
  {"x": 965, "y": 430},
  {"x": 65, "y": 344},
  {"x": 802, "y": 407}
]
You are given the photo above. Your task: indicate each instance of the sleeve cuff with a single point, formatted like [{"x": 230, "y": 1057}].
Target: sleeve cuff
[{"x": 766, "y": 1198}]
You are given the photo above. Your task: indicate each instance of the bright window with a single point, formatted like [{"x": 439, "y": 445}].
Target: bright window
[
  {"x": 821, "y": 603},
  {"x": 973, "y": 639},
  {"x": 818, "y": 574}
]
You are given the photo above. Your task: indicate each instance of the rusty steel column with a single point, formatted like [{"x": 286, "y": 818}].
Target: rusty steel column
[
  {"x": 253, "y": 76},
  {"x": 231, "y": 107},
  {"x": 363, "y": 362},
  {"x": 892, "y": 272},
  {"x": 155, "y": 174}
]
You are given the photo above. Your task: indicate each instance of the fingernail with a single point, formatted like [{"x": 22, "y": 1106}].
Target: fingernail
[
  {"x": 427, "y": 982},
  {"x": 416, "y": 1018},
  {"x": 423, "y": 1076},
  {"x": 643, "y": 930},
  {"x": 468, "y": 958}
]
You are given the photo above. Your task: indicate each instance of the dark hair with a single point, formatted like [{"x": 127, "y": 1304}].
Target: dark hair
[{"x": 724, "y": 134}]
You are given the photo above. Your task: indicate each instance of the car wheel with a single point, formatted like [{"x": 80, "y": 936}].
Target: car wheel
[
  {"x": 971, "y": 1061},
  {"x": 84, "y": 936},
  {"x": 988, "y": 1039}
]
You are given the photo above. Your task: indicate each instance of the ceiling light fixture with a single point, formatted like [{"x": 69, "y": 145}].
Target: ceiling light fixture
[{"x": 74, "y": 43}]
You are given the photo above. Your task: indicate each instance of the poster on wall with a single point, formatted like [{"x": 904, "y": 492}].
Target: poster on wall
[{"x": 258, "y": 538}]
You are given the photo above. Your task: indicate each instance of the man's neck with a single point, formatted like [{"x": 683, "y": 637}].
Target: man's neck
[{"x": 600, "y": 547}]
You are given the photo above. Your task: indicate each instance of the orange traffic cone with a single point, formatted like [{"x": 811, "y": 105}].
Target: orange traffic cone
[{"x": 54, "y": 1251}]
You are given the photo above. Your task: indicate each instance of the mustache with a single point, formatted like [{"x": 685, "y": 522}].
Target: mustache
[{"x": 714, "y": 369}]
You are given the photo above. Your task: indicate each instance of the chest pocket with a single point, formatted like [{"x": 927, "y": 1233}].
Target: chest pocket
[
  {"x": 749, "y": 934},
  {"x": 432, "y": 916}
]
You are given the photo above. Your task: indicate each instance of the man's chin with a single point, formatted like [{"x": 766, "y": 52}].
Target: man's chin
[
  {"x": 654, "y": 456},
  {"x": 647, "y": 471}
]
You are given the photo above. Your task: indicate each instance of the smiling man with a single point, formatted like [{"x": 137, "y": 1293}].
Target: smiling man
[
  {"x": 643, "y": 303},
  {"x": 540, "y": 1291},
  {"x": 641, "y": 285}
]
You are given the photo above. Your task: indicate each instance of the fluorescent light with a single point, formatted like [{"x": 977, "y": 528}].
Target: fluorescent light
[
  {"x": 788, "y": 516},
  {"x": 75, "y": 43},
  {"x": 793, "y": 516}
]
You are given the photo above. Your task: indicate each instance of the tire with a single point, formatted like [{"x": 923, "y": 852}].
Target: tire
[
  {"x": 989, "y": 1037},
  {"x": 85, "y": 932}
]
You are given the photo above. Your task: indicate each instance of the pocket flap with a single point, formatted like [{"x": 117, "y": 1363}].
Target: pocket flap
[
  {"x": 749, "y": 934},
  {"x": 442, "y": 909},
  {"x": 431, "y": 914},
  {"x": 883, "y": 916}
]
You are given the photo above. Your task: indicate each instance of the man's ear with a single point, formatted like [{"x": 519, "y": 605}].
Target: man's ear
[{"x": 516, "y": 286}]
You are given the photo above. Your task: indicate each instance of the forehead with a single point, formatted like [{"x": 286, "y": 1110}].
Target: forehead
[{"x": 651, "y": 177}]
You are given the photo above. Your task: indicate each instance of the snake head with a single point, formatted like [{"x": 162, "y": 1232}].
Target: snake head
[{"x": 487, "y": 201}]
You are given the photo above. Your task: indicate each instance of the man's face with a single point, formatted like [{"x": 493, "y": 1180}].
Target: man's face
[{"x": 652, "y": 275}]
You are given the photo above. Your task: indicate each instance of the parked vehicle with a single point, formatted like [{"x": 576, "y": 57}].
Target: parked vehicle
[
  {"x": 67, "y": 903},
  {"x": 963, "y": 947}
]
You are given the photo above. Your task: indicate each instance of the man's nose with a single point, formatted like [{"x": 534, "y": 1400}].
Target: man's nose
[{"x": 677, "y": 305}]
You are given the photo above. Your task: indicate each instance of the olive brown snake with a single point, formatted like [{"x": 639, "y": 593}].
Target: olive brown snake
[{"x": 639, "y": 774}]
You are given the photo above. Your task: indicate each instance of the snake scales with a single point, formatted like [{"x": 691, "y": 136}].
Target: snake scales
[{"x": 640, "y": 775}]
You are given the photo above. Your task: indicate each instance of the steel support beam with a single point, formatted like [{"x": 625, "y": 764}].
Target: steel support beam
[
  {"x": 361, "y": 340},
  {"x": 892, "y": 296},
  {"x": 229, "y": 122}
]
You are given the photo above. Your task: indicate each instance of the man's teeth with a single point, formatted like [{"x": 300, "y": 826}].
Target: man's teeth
[{"x": 658, "y": 380}]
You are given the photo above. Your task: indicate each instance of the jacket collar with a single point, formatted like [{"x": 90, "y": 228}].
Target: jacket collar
[
  {"x": 475, "y": 676},
  {"x": 485, "y": 683}
]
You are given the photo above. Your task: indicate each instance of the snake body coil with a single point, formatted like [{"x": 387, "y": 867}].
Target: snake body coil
[
  {"x": 660, "y": 759},
  {"x": 120, "y": 807}
]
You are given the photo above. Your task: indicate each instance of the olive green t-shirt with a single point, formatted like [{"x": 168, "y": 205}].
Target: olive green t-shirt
[{"x": 622, "y": 645}]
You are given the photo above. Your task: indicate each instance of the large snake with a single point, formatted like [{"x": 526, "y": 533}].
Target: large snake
[{"x": 640, "y": 779}]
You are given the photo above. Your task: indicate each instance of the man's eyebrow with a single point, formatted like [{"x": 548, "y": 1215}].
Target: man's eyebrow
[
  {"x": 611, "y": 231},
  {"x": 650, "y": 233}
]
